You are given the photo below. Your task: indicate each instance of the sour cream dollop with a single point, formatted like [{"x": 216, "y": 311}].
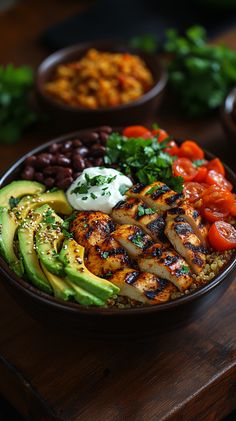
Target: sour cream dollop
[{"x": 98, "y": 188}]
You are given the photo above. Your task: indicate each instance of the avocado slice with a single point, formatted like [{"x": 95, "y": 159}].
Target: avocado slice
[
  {"x": 84, "y": 297},
  {"x": 8, "y": 226},
  {"x": 26, "y": 233},
  {"x": 56, "y": 199},
  {"x": 72, "y": 255},
  {"x": 61, "y": 288},
  {"x": 48, "y": 240},
  {"x": 18, "y": 189}
]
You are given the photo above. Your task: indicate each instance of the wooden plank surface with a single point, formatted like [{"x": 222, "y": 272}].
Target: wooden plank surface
[{"x": 186, "y": 374}]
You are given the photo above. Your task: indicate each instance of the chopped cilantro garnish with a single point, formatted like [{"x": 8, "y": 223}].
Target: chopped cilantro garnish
[
  {"x": 185, "y": 269},
  {"x": 105, "y": 254},
  {"x": 13, "y": 201},
  {"x": 80, "y": 189},
  {"x": 144, "y": 211},
  {"x": 49, "y": 219},
  {"x": 199, "y": 162},
  {"x": 67, "y": 221},
  {"x": 143, "y": 159},
  {"x": 137, "y": 239},
  {"x": 93, "y": 196},
  {"x": 66, "y": 233},
  {"x": 85, "y": 198}
]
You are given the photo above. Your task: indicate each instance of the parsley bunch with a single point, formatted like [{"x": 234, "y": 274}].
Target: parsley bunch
[
  {"x": 200, "y": 74},
  {"x": 15, "y": 113},
  {"x": 142, "y": 159}
]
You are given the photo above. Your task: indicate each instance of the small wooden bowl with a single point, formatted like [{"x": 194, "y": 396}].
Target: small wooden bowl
[
  {"x": 111, "y": 322},
  {"x": 73, "y": 118},
  {"x": 227, "y": 111}
]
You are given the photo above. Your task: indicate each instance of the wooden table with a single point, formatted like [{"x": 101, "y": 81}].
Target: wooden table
[{"x": 185, "y": 374}]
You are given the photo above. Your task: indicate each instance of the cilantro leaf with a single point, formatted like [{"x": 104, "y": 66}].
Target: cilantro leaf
[{"x": 13, "y": 202}]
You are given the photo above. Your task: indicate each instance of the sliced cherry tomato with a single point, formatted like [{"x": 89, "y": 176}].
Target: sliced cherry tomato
[
  {"x": 172, "y": 148},
  {"x": 217, "y": 199},
  {"x": 184, "y": 168},
  {"x": 233, "y": 207},
  {"x": 222, "y": 236},
  {"x": 201, "y": 174},
  {"x": 216, "y": 165},
  {"x": 213, "y": 215},
  {"x": 137, "y": 131},
  {"x": 193, "y": 191},
  {"x": 214, "y": 177},
  {"x": 162, "y": 134},
  {"x": 190, "y": 149}
]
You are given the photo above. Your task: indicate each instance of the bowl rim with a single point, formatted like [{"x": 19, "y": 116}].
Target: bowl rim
[
  {"x": 28, "y": 289},
  {"x": 226, "y": 110},
  {"x": 59, "y": 56}
]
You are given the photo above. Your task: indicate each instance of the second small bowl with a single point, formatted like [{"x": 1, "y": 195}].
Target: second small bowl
[{"x": 71, "y": 118}]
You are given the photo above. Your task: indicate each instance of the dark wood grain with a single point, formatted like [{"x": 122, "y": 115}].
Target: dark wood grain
[{"x": 186, "y": 374}]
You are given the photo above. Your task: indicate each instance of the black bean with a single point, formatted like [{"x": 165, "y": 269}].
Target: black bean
[
  {"x": 83, "y": 151},
  {"x": 105, "y": 129},
  {"x": 64, "y": 183},
  {"x": 103, "y": 138},
  {"x": 62, "y": 160},
  {"x": 98, "y": 162},
  {"x": 49, "y": 182},
  {"x": 28, "y": 173},
  {"x": 67, "y": 146},
  {"x": 89, "y": 163},
  {"x": 43, "y": 159},
  {"x": 77, "y": 143},
  {"x": 30, "y": 160},
  {"x": 63, "y": 172},
  {"x": 76, "y": 175},
  {"x": 89, "y": 138},
  {"x": 38, "y": 176},
  {"x": 68, "y": 154},
  {"x": 78, "y": 162},
  {"x": 97, "y": 150},
  {"x": 55, "y": 147}
]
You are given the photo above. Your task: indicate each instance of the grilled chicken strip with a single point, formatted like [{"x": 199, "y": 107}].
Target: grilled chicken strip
[
  {"x": 166, "y": 264},
  {"x": 185, "y": 242},
  {"x": 107, "y": 257},
  {"x": 194, "y": 219},
  {"x": 157, "y": 195},
  {"x": 91, "y": 227},
  {"x": 142, "y": 286},
  {"x": 133, "y": 239},
  {"x": 135, "y": 211}
]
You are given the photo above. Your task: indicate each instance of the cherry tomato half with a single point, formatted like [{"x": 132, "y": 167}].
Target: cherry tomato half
[
  {"x": 193, "y": 191},
  {"x": 216, "y": 165},
  {"x": 214, "y": 177},
  {"x": 183, "y": 167},
  {"x": 172, "y": 148},
  {"x": 161, "y": 134},
  {"x": 137, "y": 131},
  {"x": 218, "y": 199},
  {"x": 213, "y": 215},
  {"x": 233, "y": 207},
  {"x": 201, "y": 174},
  {"x": 222, "y": 236},
  {"x": 190, "y": 149}
]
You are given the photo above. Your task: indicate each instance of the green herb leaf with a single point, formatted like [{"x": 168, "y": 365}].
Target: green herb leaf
[
  {"x": 66, "y": 233},
  {"x": 93, "y": 196},
  {"x": 137, "y": 239},
  {"x": 13, "y": 202},
  {"x": 105, "y": 254},
  {"x": 199, "y": 162}
]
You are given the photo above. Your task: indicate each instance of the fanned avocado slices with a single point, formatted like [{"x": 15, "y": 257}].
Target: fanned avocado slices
[
  {"x": 56, "y": 199},
  {"x": 61, "y": 288},
  {"x": 18, "y": 189},
  {"x": 8, "y": 226},
  {"x": 49, "y": 238},
  {"x": 26, "y": 234},
  {"x": 72, "y": 255}
]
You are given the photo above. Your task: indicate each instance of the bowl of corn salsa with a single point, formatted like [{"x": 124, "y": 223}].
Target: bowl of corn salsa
[{"x": 86, "y": 84}]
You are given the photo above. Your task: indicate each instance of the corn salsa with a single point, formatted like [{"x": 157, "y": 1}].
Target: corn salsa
[{"x": 100, "y": 79}]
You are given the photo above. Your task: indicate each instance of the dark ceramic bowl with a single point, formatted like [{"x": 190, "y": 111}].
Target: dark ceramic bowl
[
  {"x": 228, "y": 115},
  {"x": 74, "y": 118},
  {"x": 99, "y": 322}
]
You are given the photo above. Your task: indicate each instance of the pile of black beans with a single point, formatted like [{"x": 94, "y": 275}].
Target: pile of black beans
[{"x": 62, "y": 162}]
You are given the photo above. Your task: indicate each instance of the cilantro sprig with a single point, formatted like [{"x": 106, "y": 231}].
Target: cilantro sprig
[
  {"x": 143, "y": 159},
  {"x": 200, "y": 74}
]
